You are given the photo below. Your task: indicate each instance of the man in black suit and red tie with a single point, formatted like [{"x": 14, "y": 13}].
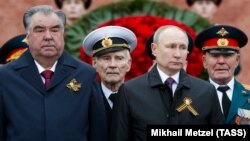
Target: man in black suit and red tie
[{"x": 46, "y": 94}]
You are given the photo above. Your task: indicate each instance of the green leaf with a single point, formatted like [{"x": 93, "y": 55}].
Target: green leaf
[{"x": 76, "y": 33}]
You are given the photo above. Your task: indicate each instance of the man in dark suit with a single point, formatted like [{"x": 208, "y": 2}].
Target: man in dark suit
[
  {"x": 46, "y": 95},
  {"x": 221, "y": 45},
  {"x": 110, "y": 47},
  {"x": 166, "y": 94}
]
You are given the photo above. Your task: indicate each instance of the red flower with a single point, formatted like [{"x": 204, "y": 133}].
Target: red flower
[{"x": 144, "y": 26}]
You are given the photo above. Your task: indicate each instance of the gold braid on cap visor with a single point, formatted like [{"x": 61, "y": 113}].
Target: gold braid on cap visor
[
  {"x": 113, "y": 45},
  {"x": 218, "y": 47}
]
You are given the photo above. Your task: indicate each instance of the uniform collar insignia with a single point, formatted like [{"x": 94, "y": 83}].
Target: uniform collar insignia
[
  {"x": 187, "y": 101},
  {"x": 244, "y": 93},
  {"x": 74, "y": 85}
]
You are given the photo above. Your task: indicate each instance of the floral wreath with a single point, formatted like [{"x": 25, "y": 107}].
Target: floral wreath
[{"x": 143, "y": 18}]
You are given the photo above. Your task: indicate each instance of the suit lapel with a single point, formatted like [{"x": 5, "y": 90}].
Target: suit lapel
[
  {"x": 63, "y": 70},
  {"x": 239, "y": 99},
  {"x": 27, "y": 68},
  {"x": 183, "y": 80},
  {"x": 29, "y": 72}
]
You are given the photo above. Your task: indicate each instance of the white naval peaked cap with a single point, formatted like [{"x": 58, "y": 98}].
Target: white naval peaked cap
[{"x": 109, "y": 39}]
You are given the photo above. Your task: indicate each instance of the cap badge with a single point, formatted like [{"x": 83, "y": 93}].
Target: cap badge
[
  {"x": 187, "y": 101},
  {"x": 222, "y": 32},
  {"x": 74, "y": 85},
  {"x": 107, "y": 42},
  {"x": 222, "y": 42}
]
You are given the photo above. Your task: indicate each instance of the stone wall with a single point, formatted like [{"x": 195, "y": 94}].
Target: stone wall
[{"x": 230, "y": 12}]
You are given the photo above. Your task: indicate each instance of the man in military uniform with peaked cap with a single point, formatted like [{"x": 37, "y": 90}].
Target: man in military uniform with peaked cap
[
  {"x": 221, "y": 45},
  {"x": 110, "y": 47},
  {"x": 13, "y": 49}
]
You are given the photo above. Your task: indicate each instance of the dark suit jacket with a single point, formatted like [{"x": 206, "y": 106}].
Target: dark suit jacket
[
  {"x": 240, "y": 99},
  {"x": 145, "y": 100},
  {"x": 108, "y": 113},
  {"x": 108, "y": 110},
  {"x": 29, "y": 112}
]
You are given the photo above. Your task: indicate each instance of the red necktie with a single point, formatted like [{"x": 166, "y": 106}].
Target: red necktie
[{"x": 47, "y": 74}]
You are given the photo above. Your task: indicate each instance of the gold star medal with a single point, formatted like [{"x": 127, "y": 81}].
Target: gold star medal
[
  {"x": 187, "y": 104},
  {"x": 74, "y": 85}
]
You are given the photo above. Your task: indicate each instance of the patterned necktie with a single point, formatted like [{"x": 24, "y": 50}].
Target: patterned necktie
[
  {"x": 226, "y": 103},
  {"x": 169, "y": 82},
  {"x": 47, "y": 74}
]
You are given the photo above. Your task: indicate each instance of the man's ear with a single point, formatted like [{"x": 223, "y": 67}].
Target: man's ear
[
  {"x": 238, "y": 60},
  {"x": 94, "y": 62},
  {"x": 129, "y": 64},
  {"x": 204, "y": 61},
  {"x": 154, "y": 48}
]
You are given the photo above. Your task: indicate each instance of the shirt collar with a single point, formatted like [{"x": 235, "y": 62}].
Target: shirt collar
[
  {"x": 230, "y": 84},
  {"x": 41, "y": 69},
  {"x": 107, "y": 92},
  {"x": 164, "y": 76}
]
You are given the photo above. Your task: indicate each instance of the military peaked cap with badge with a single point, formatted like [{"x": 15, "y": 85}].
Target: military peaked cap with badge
[
  {"x": 221, "y": 39},
  {"x": 190, "y": 2},
  {"x": 13, "y": 49},
  {"x": 109, "y": 39},
  {"x": 87, "y": 3},
  {"x": 150, "y": 41}
]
